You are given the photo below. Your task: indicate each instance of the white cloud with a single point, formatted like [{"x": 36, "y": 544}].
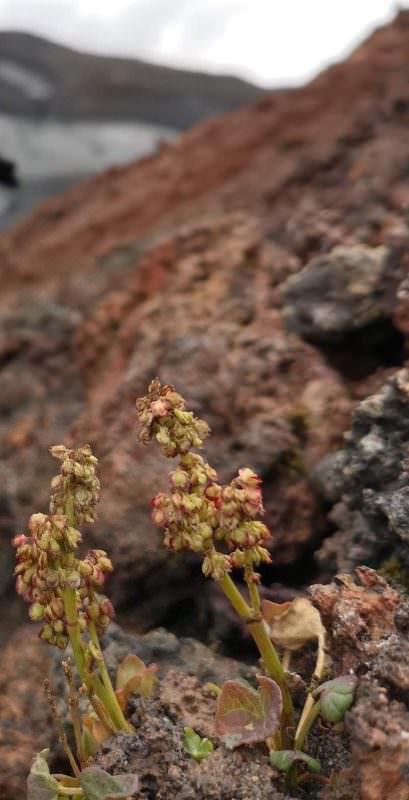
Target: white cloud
[{"x": 270, "y": 41}]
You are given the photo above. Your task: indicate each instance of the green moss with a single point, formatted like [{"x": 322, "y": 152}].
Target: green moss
[
  {"x": 395, "y": 572},
  {"x": 300, "y": 422},
  {"x": 295, "y": 463}
]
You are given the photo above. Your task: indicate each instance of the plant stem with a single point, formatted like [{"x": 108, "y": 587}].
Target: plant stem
[
  {"x": 291, "y": 778},
  {"x": 275, "y": 670},
  {"x": 70, "y": 606},
  {"x": 255, "y": 598},
  {"x": 309, "y": 719},
  {"x": 71, "y": 616},
  {"x": 105, "y": 690},
  {"x": 52, "y": 702},
  {"x": 70, "y": 791},
  {"x": 265, "y": 647},
  {"x": 286, "y": 662},
  {"x": 74, "y": 712},
  {"x": 109, "y": 697},
  {"x": 317, "y": 675},
  {"x": 102, "y": 714}
]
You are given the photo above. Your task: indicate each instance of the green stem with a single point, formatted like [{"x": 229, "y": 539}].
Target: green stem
[
  {"x": 92, "y": 682},
  {"x": 71, "y": 791},
  {"x": 304, "y": 729},
  {"x": 102, "y": 713},
  {"x": 291, "y": 779},
  {"x": 317, "y": 675},
  {"x": 70, "y": 606},
  {"x": 109, "y": 697},
  {"x": 71, "y": 617},
  {"x": 255, "y": 598},
  {"x": 265, "y": 647},
  {"x": 104, "y": 690}
]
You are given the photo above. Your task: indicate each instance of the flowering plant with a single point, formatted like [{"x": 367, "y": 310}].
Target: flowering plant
[{"x": 221, "y": 523}]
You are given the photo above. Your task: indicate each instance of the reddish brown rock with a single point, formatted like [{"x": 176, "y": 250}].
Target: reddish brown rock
[
  {"x": 24, "y": 719},
  {"x": 367, "y": 622},
  {"x": 263, "y": 391},
  {"x": 359, "y": 612},
  {"x": 175, "y": 265}
]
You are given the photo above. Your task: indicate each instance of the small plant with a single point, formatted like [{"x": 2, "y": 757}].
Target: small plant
[
  {"x": 197, "y": 747},
  {"x": 220, "y": 522},
  {"x": 65, "y": 595}
]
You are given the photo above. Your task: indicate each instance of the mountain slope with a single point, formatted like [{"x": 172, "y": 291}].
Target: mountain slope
[
  {"x": 41, "y": 79},
  {"x": 264, "y": 158}
]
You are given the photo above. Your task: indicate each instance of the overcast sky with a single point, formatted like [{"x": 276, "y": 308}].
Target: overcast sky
[{"x": 272, "y": 42}]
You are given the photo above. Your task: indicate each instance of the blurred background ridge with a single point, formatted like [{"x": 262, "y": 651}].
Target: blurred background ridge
[{"x": 65, "y": 114}]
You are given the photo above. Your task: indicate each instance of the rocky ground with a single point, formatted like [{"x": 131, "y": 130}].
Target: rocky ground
[{"x": 259, "y": 263}]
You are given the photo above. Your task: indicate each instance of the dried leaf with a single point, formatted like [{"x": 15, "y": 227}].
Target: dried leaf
[
  {"x": 197, "y": 747},
  {"x": 98, "y": 732},
  {"x": 99, "y": 785},
  {"x": 134, "y": 677},
  {"x": 89, "y": 742},
  {"x": 131, "y": 665},
  {"x": 336, "y": 697},
  {"x": 283, "y": 760},
  {"x": 292, "y": 625},
  {"x": 246, "y": 715},
  {"x": 41, "y": 785}
]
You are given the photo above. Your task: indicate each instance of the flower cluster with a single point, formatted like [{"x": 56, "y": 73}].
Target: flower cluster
[
  {"x": 77, "y": 482},
  {"x": 47, "y": 565},
  {"x": 162, "y": 414},
  {"x": 198, "y": 511}
]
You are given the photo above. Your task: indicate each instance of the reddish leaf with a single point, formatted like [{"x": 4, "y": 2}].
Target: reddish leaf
[
  {"x": 246, "y": 715},
  {"x": 134, "y": 677}
]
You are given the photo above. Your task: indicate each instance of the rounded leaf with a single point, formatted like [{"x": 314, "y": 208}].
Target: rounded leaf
[
  {"x": 197, "y": 747},
  {"x": 41, "y": 785},
  {"x": 100, "y": 785},
  {"x": 336, "y": 697},
  {"x": 246, "y": 715},
  {"x": 283, "y": 760}
]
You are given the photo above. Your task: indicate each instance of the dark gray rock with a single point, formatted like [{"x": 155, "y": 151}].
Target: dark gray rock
[
  {"x": 369, "y": 482},
  {"x": 340, "y": 292}
]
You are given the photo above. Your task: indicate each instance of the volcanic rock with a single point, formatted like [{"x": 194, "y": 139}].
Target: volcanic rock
[
  {"x": 176, "y": 266},
  {"x": 340, "y": 292},
  {"x": 368, "y": 481},
  {"x": 367, "y": 622}
]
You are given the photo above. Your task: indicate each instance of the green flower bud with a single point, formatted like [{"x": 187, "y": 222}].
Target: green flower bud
[
  {"x": 47, "y": 633},
  {"x": 192, "y": 502},
  {"x": 179, "y": 478},
  {"x": 36, "y": 612},
  {"x": 72, "y": 579}
]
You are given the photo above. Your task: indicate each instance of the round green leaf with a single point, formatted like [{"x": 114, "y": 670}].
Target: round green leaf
[
  {"x": 336, "y": 697},
  {"x": 197, "y": 747},
  {"x": 283, "y": 760}
]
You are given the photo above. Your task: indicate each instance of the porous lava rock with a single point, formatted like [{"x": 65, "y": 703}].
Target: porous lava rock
[
  {"x": 177, "y": 265},
  {"x": 25, "y": 725},
  {"x": 367, "y": 621},
  {"x": 367, "y": 481},
  {"x": 200, "y": 311},
  {"x": 223, "y": 344},
  {"x": 340, "y": 292}
]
